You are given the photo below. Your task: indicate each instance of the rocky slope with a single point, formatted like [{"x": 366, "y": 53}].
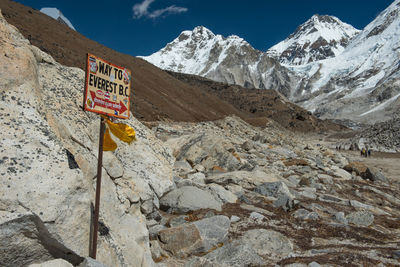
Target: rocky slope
[
  {"x": 263, "y": 104},
  {"x": 383, "y": 136},
  {"x": 251, "y": 197},
  {"x": 320, "y": 37},
  {"x": 231, "y": 60}
]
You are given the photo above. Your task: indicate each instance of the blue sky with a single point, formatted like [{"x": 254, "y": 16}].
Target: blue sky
[{"x": 141, "y": 27}]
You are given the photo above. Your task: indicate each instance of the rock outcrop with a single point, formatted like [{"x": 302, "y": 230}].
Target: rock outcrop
[{"x": 48, "y": 157}]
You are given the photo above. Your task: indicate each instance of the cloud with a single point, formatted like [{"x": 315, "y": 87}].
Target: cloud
[
  {"x": 167, "y": 11},
  {"x": 142, "y": 10}
]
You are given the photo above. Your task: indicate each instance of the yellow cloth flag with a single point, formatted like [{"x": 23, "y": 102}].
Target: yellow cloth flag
[
  {"x": 124, "y": 132},
  {"x": 108, "y": 143}
]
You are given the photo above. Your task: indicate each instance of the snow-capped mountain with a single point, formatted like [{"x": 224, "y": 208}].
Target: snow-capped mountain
[
  {"x": 57, "y": 15},
  {"x": 329, "y": 67},
  {"x": 320, "y": 37},
  {"x": 363, "y": 82},
  {"x": 231, "y": 60}
]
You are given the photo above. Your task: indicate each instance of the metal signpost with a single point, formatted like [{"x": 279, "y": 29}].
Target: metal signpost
[{"x": 107, "y": 92}]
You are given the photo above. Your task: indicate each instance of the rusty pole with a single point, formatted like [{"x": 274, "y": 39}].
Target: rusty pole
[{"x": 98, "y": 189}]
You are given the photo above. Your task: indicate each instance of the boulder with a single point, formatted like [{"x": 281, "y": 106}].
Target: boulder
[
  {"x": 196, "y": 237},
  {"x": 25, "y": 240},
  {"x": 268, "y": 242},
  {"x": 221, "y": 193},
  {"x": 278, "y": 190},
  {"x": 189, "y": 198},
  {"x": 236, "y": 253}
]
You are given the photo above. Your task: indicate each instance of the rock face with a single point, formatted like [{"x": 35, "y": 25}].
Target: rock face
[{"x": 48, "y": 160}]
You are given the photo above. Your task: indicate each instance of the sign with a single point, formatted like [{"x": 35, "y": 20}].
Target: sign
[{"x": 107, "y": 88}]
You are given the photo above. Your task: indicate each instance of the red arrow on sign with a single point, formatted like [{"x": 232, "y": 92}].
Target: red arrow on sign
[{"x": 104, "y": 103}]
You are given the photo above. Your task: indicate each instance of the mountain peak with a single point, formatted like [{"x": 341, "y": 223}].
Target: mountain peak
[
  {"x": 320, "y": 37},
  {"x": 56, "y": 14}
]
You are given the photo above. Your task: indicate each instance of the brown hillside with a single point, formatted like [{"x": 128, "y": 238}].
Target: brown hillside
[
  {"x": 157, "y": 94},
  {"x": 262, "y": 103}
]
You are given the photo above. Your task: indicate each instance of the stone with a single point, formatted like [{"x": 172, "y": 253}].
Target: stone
[
  {"x": 305, "y": 214},
  {"x": 89, "y": 262},
  {"x": 314, "y": 264},
  {"x": 278, "y": 190},
  {"x": 247, "y": 145},
  {"x": 213, "y": 230},
  {"x": 236, "y": 253},
  {"x": 182, "y": 166},
  {"x": 376, "y": 175},
  {"x": 272, "y": 189},
  {"x": 199, "y": 236},
  {"x": 112, "y": 165},
  {"x": 221, "y": 193},
  {"x": 245, "y": 179},
  {"x": 154, "y": 230},
  {"x": 53, "y": 263},
  {"x": 364, "y": 218},
  {"x": 234, "y": 218},
  {"x": 326, "y": 179},
  {"x": 188, "y": 198},
  {"x": 339, "y": 217},
  {"x": 25, "y": 240},
  {"x": 197, "y": 177},
  {"x": 267, "y": 242},
  {"x": 256, "y": 216}
]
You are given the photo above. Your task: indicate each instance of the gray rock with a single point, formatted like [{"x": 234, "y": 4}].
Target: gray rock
[
  {"x": 256, "y": 216},
  {"x": 196, "y": 237},
  {"x": 53, "y": 263},
  {"x": 188, "y": 198},
  {"x": 182, "y": 166},
  {"x": 267, "y": 242},
  {"x": 221, "y": 193},
  {"x": 272, "y": 189},
  {"x": 236, "y": 253},
  {"x": 326, "y": 179},
  {"x": 376, "y": 175},
  {"x": 176, "y": 221},
  {"x": 364, "y": 218},
  {"x": 314, "y": 264},
  {"x": 339, "y": 217},
  {"x": 26, "y": 240},
  {"x": 89, "y": 262},
  {"x": 396, "y": 254},
  {"x": 197, "y": 177},
  {"x": 213, "y": 230},
  {"x": 234, "y": 218},
  {"x": 245, "y": 179},
  {"x": 154, "y": 230}
]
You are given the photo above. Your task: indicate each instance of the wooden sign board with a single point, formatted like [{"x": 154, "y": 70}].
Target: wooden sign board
[{"x": 107, "y": 88}]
